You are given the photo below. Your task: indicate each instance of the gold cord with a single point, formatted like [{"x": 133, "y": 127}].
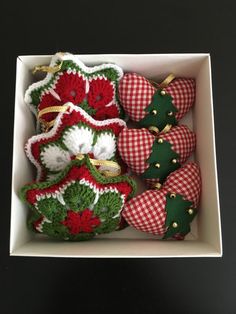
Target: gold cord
[
  {"x": 48, "y": 69},
  {"x": 108, "y": 163}
]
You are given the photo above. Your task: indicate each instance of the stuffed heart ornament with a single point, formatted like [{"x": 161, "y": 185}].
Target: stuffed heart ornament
[
  {"x": 156, "y": 157},
  {"x": 161, "y": 106},
  {"x": 168, "y": 211}
]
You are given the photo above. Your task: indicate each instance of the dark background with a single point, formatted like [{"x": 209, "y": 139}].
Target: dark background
[{"x": 200, "y": 285}]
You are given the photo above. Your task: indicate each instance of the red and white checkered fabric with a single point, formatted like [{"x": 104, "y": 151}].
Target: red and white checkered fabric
[
  {"x": 135, "y": 146},
  {"x": 185, "y": 181},
  {"x": 146, "y": 212},
  {"x": 135, "y": 93},
  {"x": 183, "y": 92},
  {"x": 183, "y": 141}
]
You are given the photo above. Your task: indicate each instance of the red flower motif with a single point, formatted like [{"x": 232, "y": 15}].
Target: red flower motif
[
  {"x": 101, "y": 93},
  {"x": 81, "y": 221},
  {"x": 106, "y": 113},
  {"x": 71, "y": 87}
]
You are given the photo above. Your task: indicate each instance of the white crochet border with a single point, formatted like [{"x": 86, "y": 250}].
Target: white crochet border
[
  {"x": 57, "y": 124},
  {"x": 63, "y": 57}
]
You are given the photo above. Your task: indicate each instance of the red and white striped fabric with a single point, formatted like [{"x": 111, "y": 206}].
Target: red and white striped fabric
[
  {"x": 136, "y": 93},
  {"x": 135, "y": 145},
  {"x": 185, "y": 181},
  {"x": 146, "y": 212}
]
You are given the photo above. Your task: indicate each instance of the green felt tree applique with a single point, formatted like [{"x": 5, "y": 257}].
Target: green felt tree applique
[
  {"x": 160, "y": 111},
  {"x": 162, "y": 161},
  {"x": 180, "y": 214}
]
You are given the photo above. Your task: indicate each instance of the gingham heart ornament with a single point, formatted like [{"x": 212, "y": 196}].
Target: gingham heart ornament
[
  {"x": 163, "y": 103},
  {"x": 168, "y": 211},
  {"x": 156, "y": 157}
]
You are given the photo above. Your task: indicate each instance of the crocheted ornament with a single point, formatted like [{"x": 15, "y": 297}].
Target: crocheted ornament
[
  {"x": 156, "y": 157},
  {"x": 169, "y": 211},
  {"x": 161, "y": 106},
  {"x": 92, "y": 88},
  {"x": 74, "y": 133},
  {"x": 79, "y": 203}
]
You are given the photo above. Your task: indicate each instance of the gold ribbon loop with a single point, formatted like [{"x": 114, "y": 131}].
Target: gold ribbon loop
[
  {"x": 49, "y": 124},
  {"x": 167, "y": 81},
  {"x": 155, "y": 130},
  {"x": 48, "y": 69},
  {"x": 106, "y": 163}
]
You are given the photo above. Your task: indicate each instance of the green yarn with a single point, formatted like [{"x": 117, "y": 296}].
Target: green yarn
[
  {"x": 52, "y": 209},
  {"x": 78, "y": 196},
  {"x": 162, "y": 154},
  {"x": 108, "y": 226},
  {"x": 177, "y": 212},
  {"x": 108, "y": 205},
  {"x": 163, "y": 105}
]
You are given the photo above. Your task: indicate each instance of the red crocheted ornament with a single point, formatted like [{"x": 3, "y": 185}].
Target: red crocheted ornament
[
  {"x": 101, "y": 93},
  {"x": 81, "y": 221},
  {"x": 49, "y": 101},
  {"x": 71, "y": 87},
  {"x": 106, "y": 113}
]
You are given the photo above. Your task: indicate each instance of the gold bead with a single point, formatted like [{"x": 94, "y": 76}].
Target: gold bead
[
  {"x": 172, "y": 195},
  {"x": 174, "y": 224},
  {"x": 154, "y": 112},
  {"x": 170, "y": 113},
  {"x": 190, "y": 211},
  {"x": 157, "y": 165},
  {"x": 174, "y": 161},
  {"x": 163, "y": 92},
  {"x": 160, "y": 140}
]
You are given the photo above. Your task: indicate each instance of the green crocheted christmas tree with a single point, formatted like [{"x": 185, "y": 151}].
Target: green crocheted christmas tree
[
  {"x": 160, "y": 112},
  {"x": 162, "y": 161}
]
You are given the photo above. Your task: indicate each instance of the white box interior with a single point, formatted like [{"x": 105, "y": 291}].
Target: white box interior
[{"x": 205, "y": 236}]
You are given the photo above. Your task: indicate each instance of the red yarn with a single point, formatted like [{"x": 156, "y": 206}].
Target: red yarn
[
  {"x": 71, "y": 87},
  {"x": 101, "y": 93},
  {"x": 37, "y": 223},
  {"x": 81, "y": 221},
  {"x": 49, "y": 101},
  {"x": 106, "y": 113}
]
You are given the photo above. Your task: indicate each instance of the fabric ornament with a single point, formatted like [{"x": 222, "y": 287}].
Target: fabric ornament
[
  {"x": 168, "y": 211},
  {"x": 95, "y": 89},
  {"x": 79, "y": 204},
  {"x": 158, "y": 105},
  {"x": 74, "y": 133},
  {"x": 154, "y": 158}
]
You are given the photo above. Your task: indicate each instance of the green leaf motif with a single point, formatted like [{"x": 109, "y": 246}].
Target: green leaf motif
[
  {"x": 178, "y": 217},
  {"x": 158, "y": 112}
]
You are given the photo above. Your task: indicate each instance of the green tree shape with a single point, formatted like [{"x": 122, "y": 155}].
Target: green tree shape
[
  {"x": 160, "y": 112},
  {"x": 163, "y": 155},
  {"x": 178, "y": 215}
]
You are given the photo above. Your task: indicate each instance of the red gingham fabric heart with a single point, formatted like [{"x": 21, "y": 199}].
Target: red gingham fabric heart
[
  {"x": 146, "y": 212},
  {"x": 135, "y": 145},
  {"x": 136, "y": 93},
  {"x": 185, "y": 181}
]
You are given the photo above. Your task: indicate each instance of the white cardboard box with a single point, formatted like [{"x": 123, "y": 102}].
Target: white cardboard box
[{"x": 205, "y": 237}]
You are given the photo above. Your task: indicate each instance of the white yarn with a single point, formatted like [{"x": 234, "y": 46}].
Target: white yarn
[
  {"x": 55, "y": 158},
  {"x": 105, "y": 146},
  {"x": 78, "y": 140}
]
